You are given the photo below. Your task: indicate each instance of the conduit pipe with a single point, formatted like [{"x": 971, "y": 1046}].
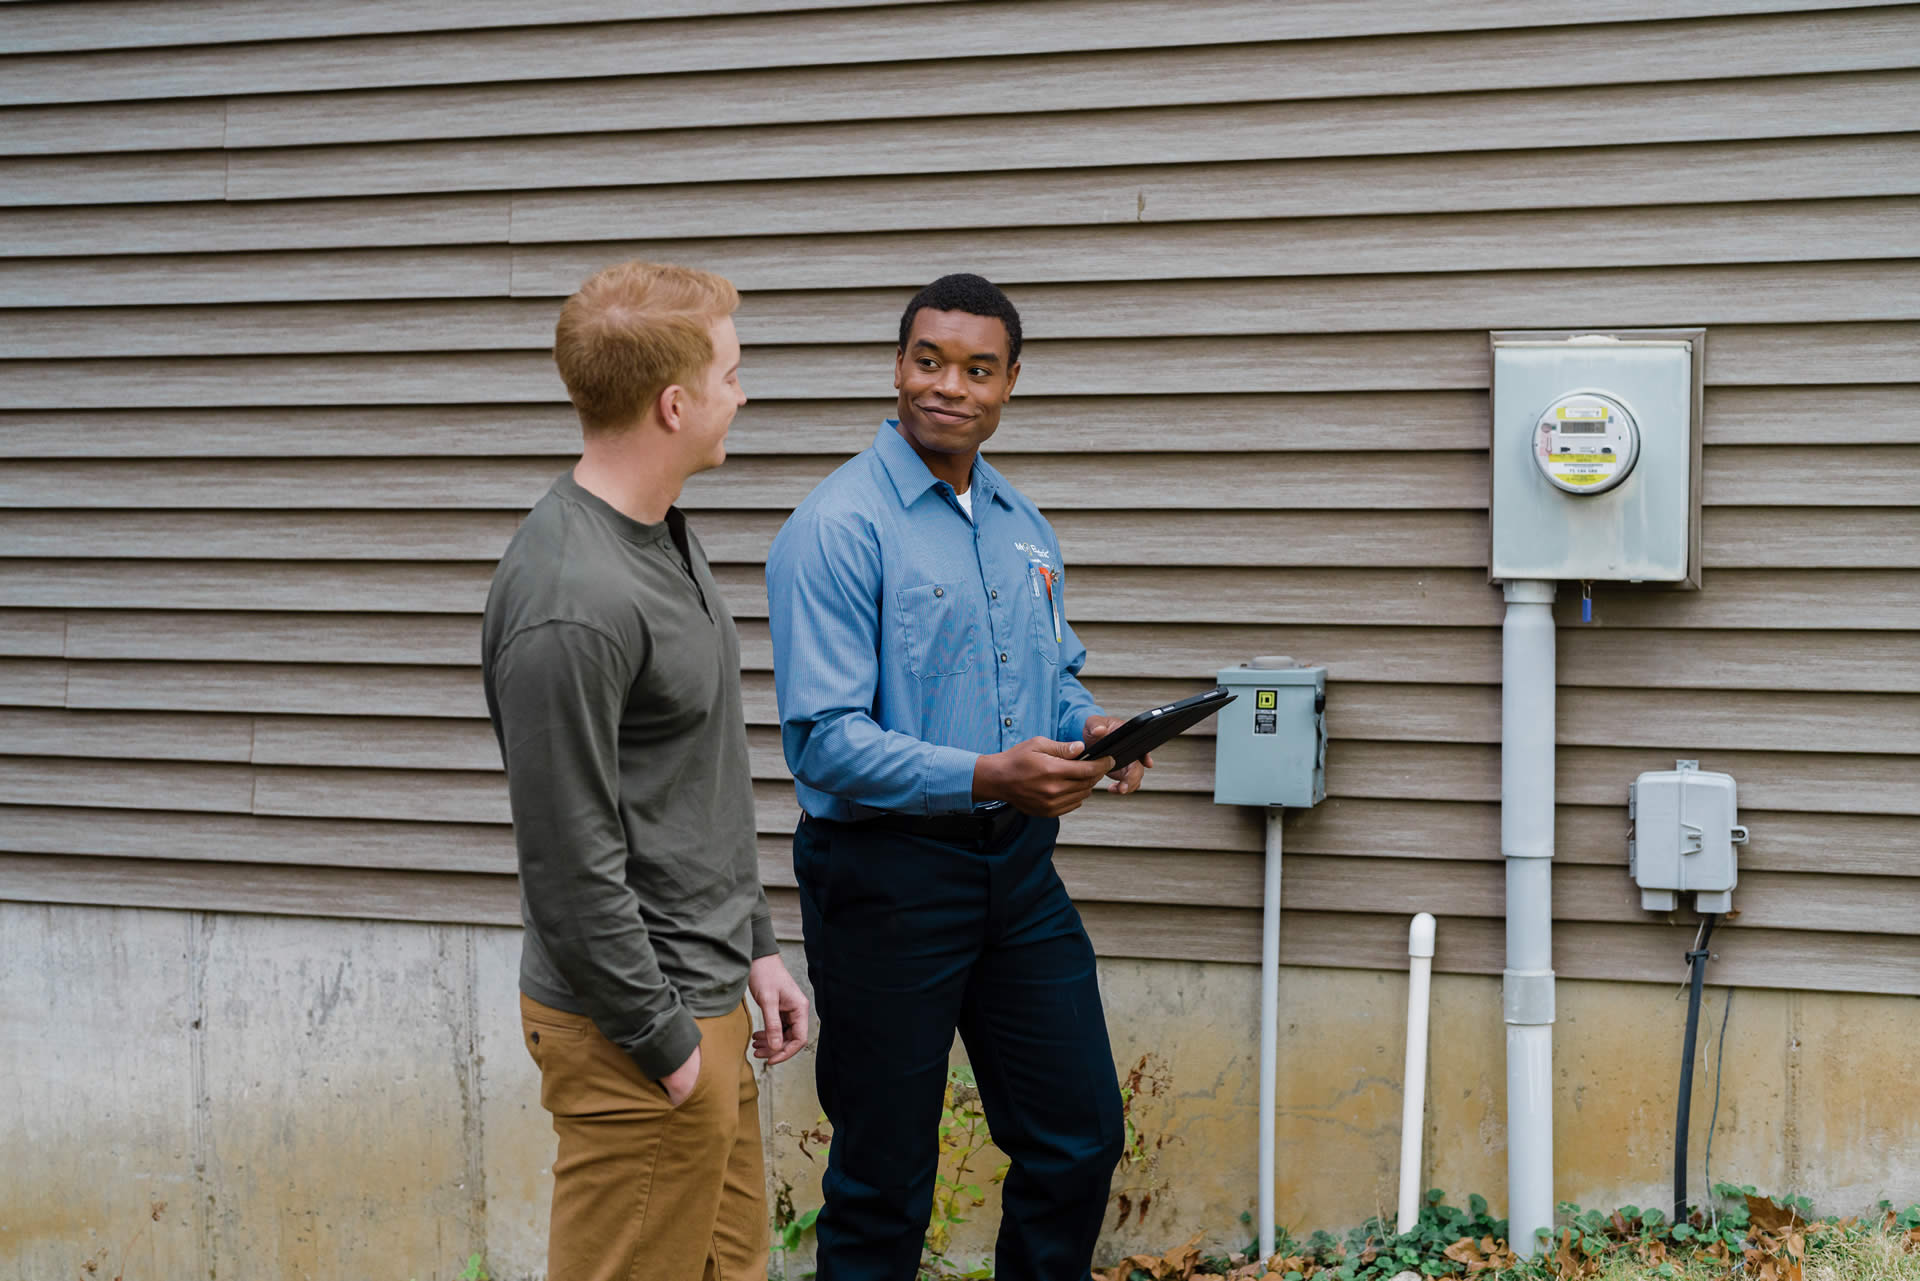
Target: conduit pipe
[
  {"x": 1696, "y": 979},
  {"x": 1526, "y": 843},
  {"x": 1413, "y": 1090},
  {"x": 1269, "y": 1026}
]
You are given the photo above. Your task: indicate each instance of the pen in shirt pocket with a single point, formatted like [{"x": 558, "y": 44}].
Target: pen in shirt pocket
[{"x": 1045, "y": 574}]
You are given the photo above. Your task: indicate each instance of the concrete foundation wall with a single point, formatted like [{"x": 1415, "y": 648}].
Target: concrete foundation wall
[{"x": 320, "y": 1098}]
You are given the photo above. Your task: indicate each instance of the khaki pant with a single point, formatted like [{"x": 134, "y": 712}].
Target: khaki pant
[{"x": 642, "y": 1190}]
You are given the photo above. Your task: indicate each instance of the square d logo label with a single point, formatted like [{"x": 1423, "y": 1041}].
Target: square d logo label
[{"x": 1266, "y": 700}]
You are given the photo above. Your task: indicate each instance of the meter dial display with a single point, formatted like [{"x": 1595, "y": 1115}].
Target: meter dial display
[{"x": 1585, "y": 443}]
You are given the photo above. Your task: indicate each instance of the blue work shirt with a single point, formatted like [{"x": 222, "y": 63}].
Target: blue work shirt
[{"x": 909, "y": 640}]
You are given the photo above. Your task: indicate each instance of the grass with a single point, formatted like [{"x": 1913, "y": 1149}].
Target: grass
[
  {"x": 1870, "y": 1254},
  {"x": 1874, "y": 1256}
]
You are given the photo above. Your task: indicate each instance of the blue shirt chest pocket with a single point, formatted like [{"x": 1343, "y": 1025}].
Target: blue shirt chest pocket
[
  {"x": 940, "y": 630},
  {"x": 1041, "y": 598}
]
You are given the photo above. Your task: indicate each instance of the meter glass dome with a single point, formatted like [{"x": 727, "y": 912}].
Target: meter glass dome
[{"x": 1586, "y": 443}]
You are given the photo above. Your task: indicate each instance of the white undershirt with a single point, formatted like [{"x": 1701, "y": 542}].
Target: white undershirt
[{"x": 966, "y": 502}]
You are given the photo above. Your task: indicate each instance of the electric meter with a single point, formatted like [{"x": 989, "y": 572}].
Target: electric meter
[
  {"x": 1596, "y": 456},
  {"x": 1586, "y": 442}
]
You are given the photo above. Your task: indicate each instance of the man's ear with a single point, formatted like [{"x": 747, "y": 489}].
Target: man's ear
[
  {"x": 671, "y": 406},
  {"x": 899, "y": 367},
  {"x": 1013, "y": 376}
]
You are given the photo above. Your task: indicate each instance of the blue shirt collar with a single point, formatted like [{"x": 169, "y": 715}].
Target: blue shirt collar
[{"x": 911, "y": 478}]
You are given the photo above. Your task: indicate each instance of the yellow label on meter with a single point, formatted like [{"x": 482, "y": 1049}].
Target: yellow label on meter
[
  {"x": 1267, "y": 699},
  {"x": 1582, "y": 412},
  {"x": 1571, "y": 479}
]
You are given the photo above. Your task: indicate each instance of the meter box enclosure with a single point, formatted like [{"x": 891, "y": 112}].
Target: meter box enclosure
[
  {"x": 1271, "y": 741},
  {"x": 1596, "y": 455},
  {"x": 1682, "y": 826}
]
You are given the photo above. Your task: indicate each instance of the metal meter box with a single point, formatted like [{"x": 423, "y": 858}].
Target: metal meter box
[
  {"x": 1683, "y": 825},
  {"x": 1271, "y": 743},
  {"x": 1596, "y": 455}
]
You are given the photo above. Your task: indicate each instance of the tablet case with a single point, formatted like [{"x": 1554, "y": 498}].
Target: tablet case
[{"x": 1151, "y": 728}]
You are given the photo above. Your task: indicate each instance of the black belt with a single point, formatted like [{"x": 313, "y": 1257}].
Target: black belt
[{"x": 987, "y": 825}]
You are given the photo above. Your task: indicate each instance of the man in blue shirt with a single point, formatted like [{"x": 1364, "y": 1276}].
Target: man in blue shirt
[{"x": 932, "y": 713}]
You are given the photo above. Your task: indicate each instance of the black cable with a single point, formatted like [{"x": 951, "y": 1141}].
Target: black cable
[
  {"x": 1697, "y": 975},
  {"x": 1719, "y": 1057}
]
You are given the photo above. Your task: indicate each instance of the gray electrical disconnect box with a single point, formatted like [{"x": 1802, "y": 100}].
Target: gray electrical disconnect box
[
  {"x": 1596, "y": 455},
  {"x": 1682, "y": 826},
  {"x": 1271, "y": 741}
]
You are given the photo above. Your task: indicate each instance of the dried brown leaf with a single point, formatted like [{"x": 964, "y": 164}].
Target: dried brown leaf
[
  {"x": 1181, "y": 1262},
  {"x": 1768, "y": 1216},
  {"x": 1570, "y": 1263}
]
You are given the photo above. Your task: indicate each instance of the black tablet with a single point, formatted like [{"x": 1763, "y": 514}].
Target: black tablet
[{"x": 1150, "y": 729}]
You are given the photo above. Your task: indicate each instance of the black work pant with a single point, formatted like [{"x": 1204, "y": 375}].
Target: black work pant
[{"x": 909, "y": 940}]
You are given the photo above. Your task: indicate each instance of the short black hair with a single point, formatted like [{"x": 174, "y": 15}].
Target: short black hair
[{"x": 975, "y": 295}]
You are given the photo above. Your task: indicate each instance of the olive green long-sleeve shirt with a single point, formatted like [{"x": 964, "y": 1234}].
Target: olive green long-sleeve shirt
[{"x": 612, "y": 674}]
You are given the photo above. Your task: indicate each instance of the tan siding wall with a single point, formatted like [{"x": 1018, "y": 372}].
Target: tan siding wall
[{"x": 276, "y": 283}]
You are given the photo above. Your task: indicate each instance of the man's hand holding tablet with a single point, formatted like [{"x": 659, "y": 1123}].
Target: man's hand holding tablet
[{"x": 1130, "y": 742}]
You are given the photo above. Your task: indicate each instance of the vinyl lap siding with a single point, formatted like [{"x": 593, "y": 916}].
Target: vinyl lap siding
[{"x": 276, "y": 284}]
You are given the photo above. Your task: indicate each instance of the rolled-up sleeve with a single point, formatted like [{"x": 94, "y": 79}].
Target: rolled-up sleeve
[
  {"x": 824, "y": 579},
  {"x": 561, "y": 687}
]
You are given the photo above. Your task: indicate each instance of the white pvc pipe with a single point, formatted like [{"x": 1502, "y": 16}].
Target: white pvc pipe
[
  {"x": 1413, "y": 1090},
  {"x": 1526, "y": 842},
  {"x": 1269, "y": 1026}
]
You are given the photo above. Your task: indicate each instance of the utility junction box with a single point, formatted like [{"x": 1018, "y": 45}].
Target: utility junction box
[
  {"x": 1271, "y": 741},
  {"x": 1596, "y": 455},
  {"x": 1682, "y": 825}
]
